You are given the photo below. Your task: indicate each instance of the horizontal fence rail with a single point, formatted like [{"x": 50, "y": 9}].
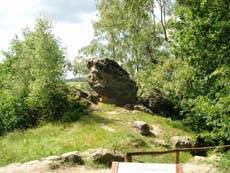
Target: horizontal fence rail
[{"x": 128, "y": 156}]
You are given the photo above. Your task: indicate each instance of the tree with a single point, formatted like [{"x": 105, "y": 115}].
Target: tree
[
  {"x": 202, "y": 39},
  {"x": 127, "y": 31},
  {"x": 31, "y": 77}
]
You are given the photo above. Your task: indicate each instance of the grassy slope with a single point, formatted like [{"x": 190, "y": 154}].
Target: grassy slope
[{"x": 88, "y": 132}]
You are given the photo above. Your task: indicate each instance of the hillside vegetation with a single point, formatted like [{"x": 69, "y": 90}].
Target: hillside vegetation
[
  {"x": 183, "y": 54},
  {"x": 106, "y": 127}
]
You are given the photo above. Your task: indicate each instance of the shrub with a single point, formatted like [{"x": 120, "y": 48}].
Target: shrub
[{"x": 74, "y": 111}]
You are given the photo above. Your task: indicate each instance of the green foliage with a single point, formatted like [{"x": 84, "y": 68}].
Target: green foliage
[
  {"x": 209, "y": 118},
  {"x": 31, "y": 75},
  {"x": 172, "y": 78},
  {"x": 127, "y": 31},
  {"x": 223, "y": 164},
  {"x": 202, "y": 40},
  {"x": 80, "y": 66},
  {"x": 186, "y": 58},
  {"x": 74, "y": 112},
  {"x": 89, "y": 132},
  {"x": 83, "y": 85}
]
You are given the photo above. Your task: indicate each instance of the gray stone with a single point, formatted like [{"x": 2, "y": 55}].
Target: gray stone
[
  {"x": 84, "y": 97},
  {"x": 73, "y": 157},
  {"x": 111, "y": 82},
  {"x": 159, "y": 104},
  {"x": 182, "y": 142},
  {"x": 142, "y": 127},
  {"x": 142, "y": 108},
  {"x": 106, "y": 156}
]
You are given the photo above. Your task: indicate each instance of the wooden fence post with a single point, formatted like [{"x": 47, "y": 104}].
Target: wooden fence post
[
  {"x": 177, "y": 156},
  {"x": 128, "y": 158}
]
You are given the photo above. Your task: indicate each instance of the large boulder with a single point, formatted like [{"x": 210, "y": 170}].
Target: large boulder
[
  {"x": 111, "y": 82},
  {"x": 159, "y": 104}
]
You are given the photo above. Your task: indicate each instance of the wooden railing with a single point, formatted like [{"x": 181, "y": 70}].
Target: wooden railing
[{"x": 128, "y": 156}]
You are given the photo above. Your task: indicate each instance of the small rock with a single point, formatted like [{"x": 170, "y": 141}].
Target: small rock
[
  {"x": 142, "y": 108},
  {"x": 182, "y": 142},
  {"x": 142, "y": 127},
  {"x": 73, "y": 157},
  {"x": 106, "y": 156}
]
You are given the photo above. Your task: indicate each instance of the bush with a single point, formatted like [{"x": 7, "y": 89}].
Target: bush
[
  {"x": 210, "y": 118},
  {"x": 223, "y": 164},
  {"x": 74, "y": 111},
  {"x": 31, "y": 76},
  {"x": 172, "y": 78},
  {"x": 204, "y": 103},
  {"x": 2, "y": 129}
]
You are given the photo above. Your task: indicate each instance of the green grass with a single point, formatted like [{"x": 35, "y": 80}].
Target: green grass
[
  {"x": 89, "y": 132},
  {"x": 223, "y": 164}
]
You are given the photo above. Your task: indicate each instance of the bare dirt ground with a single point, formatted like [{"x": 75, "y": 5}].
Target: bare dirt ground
[{"x": 44, "y": 168}]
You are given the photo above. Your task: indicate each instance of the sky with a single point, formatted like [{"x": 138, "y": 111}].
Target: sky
[{"x": 72, "y": 18}]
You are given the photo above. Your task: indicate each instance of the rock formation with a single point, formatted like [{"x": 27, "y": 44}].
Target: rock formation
[
  {"x": 182, "y": 142},
  {"x": 111, "y": 82},
  {"x": 142, "y": 127},
  {"x": 84, "y": 97},
  {"x": 159, "y": 104},
  {"x": 106, "y": 156}
]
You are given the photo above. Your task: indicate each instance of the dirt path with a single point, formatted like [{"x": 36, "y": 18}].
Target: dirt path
[
  {"x": 44, "y": 168},
  {"x": 200, "y": 165}
]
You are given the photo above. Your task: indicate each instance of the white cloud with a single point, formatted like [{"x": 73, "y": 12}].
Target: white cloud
[
  {"x": 76, "y": 36},
  {"x": 69, "y": 11},
  {"x": 17, "y": 7},
  {"x": 73, "y": 32}
]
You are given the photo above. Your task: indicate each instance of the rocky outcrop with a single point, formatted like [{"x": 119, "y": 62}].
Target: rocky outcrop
[
  {"x": 159, "y": 104},
  {"x": 143, "y": 128},
  {"x": 106, "y": 156},
  {"x": 73, "y": 157},
  {"x": 142, "y": 108},
  {"x": 111, "y": 82},
  {"x": 182, "y": 142},
  {"x": 84, "y": 97}
]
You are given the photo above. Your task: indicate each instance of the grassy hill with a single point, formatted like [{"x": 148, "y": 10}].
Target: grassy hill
[{"x": 107, "y": 127}]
